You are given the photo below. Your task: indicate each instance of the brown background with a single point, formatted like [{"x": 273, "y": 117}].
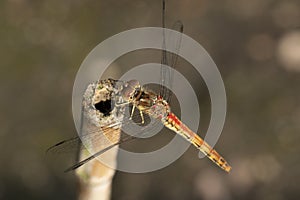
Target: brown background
[{"x": 255, "y": 44}]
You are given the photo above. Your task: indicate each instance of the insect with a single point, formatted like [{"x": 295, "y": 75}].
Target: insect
[
  {"x": 107, "y": 99},
  {"x": 154, "y": 105}
]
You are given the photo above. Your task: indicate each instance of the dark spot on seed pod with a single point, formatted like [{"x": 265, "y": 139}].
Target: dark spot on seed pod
[{"x": 105, "y": 107}]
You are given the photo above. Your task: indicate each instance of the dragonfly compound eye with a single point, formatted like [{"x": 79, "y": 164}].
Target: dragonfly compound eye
[
  {"x": 127, "y": 93},
  {"x": 134, "y": 84},
  {"x": 130, "y": 89}
]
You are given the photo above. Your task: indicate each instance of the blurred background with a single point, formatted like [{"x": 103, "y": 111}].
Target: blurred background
[{"x": 255, "y": 44}]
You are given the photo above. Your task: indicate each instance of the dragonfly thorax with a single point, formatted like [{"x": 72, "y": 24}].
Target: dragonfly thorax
[{"x": 144, "y": 99}]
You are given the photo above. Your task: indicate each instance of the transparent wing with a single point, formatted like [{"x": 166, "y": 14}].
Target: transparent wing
[
  {"x": 74, "y": 144},
  {"x": 97, "y": 136},
  {"x": 172, "y": 41},
  {"x": 103, "y": 150},
  {"x": 107, "y": 137}
]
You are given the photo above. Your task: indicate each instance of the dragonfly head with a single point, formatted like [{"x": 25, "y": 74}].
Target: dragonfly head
[{"x": 131, "y": 88}]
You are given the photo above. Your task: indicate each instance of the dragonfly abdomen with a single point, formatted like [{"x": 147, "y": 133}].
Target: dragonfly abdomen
[{"x": 172, "y": 122}]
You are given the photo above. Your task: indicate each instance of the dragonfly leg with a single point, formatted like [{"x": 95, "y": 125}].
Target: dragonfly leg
[
  {"x": 142, "y": 116},
  {"x": 132, "y": 111},
  {"x": 121, "y": 104}
]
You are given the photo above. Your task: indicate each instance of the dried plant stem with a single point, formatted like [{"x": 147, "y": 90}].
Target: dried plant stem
[{"x": 95, "y": 178}]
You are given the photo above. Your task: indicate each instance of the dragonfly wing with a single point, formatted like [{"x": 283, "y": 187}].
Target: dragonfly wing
[
  {"x": 73, "y": 144},
  {"x": 96, "y": 142},
  {"x": 173, "y": 42},
  {"x": 65, "y": 146},
  {"x": 79, "y": 164},
  {"x": 170, "y": 41}
]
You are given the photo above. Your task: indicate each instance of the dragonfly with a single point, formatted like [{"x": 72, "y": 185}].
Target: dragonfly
[{"x": 119, "y": 93}]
